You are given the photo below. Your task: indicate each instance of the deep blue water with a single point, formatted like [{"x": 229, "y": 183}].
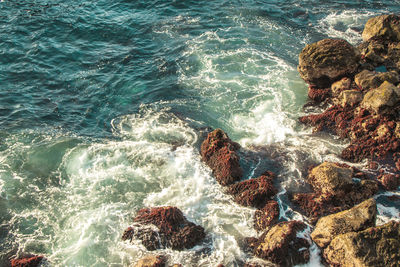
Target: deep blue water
[{"x": 94, "y": 94}]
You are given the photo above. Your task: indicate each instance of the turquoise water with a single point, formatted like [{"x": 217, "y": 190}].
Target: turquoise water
[{"x": 103, "y": 106}]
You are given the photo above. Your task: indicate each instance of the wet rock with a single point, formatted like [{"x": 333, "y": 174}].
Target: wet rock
[
  {"x": 219, "y": 153},
  {"x": 151, "y": 261},
  {"x": 281, "y": 245},
  {"x": 326, "y": 61},
  {"x": 355, "y": 219},
  {"x": 370, "y": 79},
  {"x": 349, "y": 98},
  {"x": 164, "y": 227},
  {"x": 382, "y": 99},
  {"x": 389, "y": 181},
  {"x": 383, "y": 27},
  {"x": 339, "y": 86},
  {"x": 31, "y": 261},
  {"x": 318, "y": 95},
  {"x": 254, "y": 192},
  {"x": 267, "y": 216},
  {"x": 375, "y": 246},
  {"x": 329, "y": 178}
]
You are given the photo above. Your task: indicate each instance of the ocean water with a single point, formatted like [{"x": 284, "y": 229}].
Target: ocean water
[{"x": 103, "y": 106}]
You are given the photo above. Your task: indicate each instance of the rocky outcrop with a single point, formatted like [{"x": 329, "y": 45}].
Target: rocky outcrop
[
  {"x": 31, "y": 261},
  {"x": 383, "y": 27},
  {"x": 326, "y": 61},
  {"x": 255, "y": 192},
  {"x": 151, "y": 261},
  {"x": 281, "y": 244},
  {"x": 267, "y": 216},
  {"x": 219, "y": 153},
  {"x": 355, "y": 219},
  {"x": 389, "y": 181},
  {"x": 367, "y": 80},
  {"x": 334, "y": 189},
  {"x": 375, "y": 246},
  {"x": 382, "y": 99},
  {"x": 164, "y": 227}
]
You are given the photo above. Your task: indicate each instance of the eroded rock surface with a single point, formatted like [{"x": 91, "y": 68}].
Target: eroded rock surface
[{"x": 384, "y": 27}]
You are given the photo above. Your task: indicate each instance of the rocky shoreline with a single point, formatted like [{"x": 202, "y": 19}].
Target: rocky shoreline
[{"x": 361, "y": 87}]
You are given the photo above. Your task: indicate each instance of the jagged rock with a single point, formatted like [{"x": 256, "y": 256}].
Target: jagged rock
[
  {"x": 329, "y": 178},
  {"x": 355, "y": 219},
  {"x": 267, "y": 216},
  {"x": 254, "y": 192},
  {"x": 31, "y": 261},
  {"x": 382, "y": 99},
  {"x": 389, "y": 181},
  {"x": 172, "y": 229},
  {"x": 339, "y": 86},
  {"x": 370, "y": 79},
  {"x": 151, "y": 261},
  {"x": 281, "y": 245},
  {"x": 219, "y": 153},
  {"x": 326, "y": 61},
  {"x": 384, "y": 27},
  {"x": 350, "y": 98},
  {"x": 375, "y": 246}
]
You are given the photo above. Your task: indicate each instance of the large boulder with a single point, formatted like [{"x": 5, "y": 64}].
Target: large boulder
[
  {"x": 282, "y": 245},
  {"x": 383, "y": 27},
  {"x": 329, "y": 178},
  {"x": 326, "y": 61},
  {"x": 254, "y": 192},
  {"x": 370, "y": 79},
  {"x": 382, "y": 99},
  {"x": 151, "y": 261},
  {"x": 375, "y": 246},
  {"x": 164, "y": 227},
  {"x": 355, "y": 219},
  {"x": 31, "y": 261},
  {"x": 218, "y": 151}
]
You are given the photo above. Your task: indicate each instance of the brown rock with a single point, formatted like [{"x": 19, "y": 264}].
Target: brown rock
[
  {"x": 339, "y": 86},
  {"x": 382, "y": 99},
  {"x": 31, "y": 261},
  {"x": 151, "y": 261},
  {"x": 355, "y": 219},
  {"x": 370, "y": 79},
  {"x": 328, "y": 178},
  {"x": 267, "y": 216},
  {"x": 219, "y": 153},
  {"x": 326, "y": 61},
  {"x": 281, "y": 245},
  {"x": 350, "y": 98},
  {"x": 375, "y": 246},
  {"x": 173, "y": 229},
  {"x": 390, "y": 181},
  {"x": 254, "y": 192},
  {"x": 384, "y": 27}
]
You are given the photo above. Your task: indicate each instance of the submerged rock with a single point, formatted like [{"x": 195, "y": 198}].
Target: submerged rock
[
  {"x": 355, "y": 219},
  {"x": 375, "y": 246},
  {"x": 151, "y": 261},
  {"x": 31, "y": 261},
  {"x": 255, "y": 192},
  {"x": 267, "y": 216},
  {"x": 171, "y": 230},
  {"x": 219, "y": 153},
  {"x": 281, "y": 244},
  {"x": 384, "y": 27},
  {"x": 326, "y": 61}
]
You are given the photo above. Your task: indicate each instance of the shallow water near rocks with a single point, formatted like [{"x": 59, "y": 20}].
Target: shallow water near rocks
[{"x": 103, "y": 106}]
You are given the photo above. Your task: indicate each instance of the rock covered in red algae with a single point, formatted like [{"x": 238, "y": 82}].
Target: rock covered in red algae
[
  {"x": 255, "y": 192},
  {"x": 383, "y": 27},
  {"x": 326, "y": 61},
  {"x": 281, "y": 245},
  {"x": 32, "y": 261},
  {"x": 334, "y": 189},
  {"x": 267, "y": 216},
  {"x": 151, "y": 261},
  {"x": 389, "y": 181},
  {"x": 172, "y": 229},
  {"x": 219, "y": 153},
  {"x": 356, "y": 219},
  {"x": 375, "y": 246}
]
